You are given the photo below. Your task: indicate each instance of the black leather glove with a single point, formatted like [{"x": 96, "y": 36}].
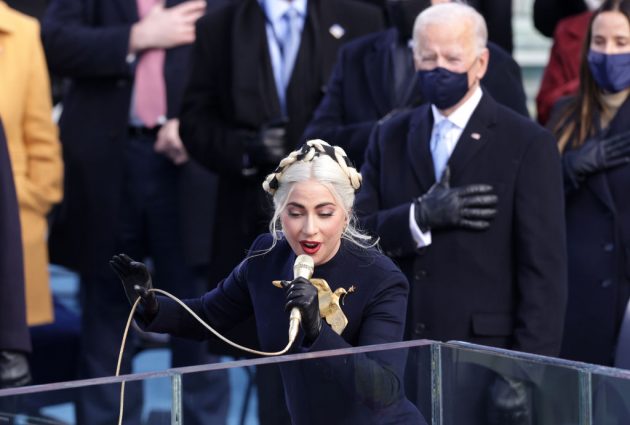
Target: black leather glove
[
  {"x": 137, "y": 281},
  {"x": 14, "y": 369},
  {"x": 470, "y": 207},
  {"x": 303, "y": 295},
  {"x": 596, "y": 155},
  {"x": 509, "y": 402},
  {"x": 268, "y": 146}
]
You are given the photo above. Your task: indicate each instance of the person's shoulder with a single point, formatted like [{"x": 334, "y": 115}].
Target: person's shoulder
[
  {"x": 361, "y": 45},
  {"x": 523, "y": 132}
]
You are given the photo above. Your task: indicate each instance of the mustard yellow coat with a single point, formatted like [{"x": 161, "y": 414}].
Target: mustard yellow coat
[{"x": 34, "y": 148}]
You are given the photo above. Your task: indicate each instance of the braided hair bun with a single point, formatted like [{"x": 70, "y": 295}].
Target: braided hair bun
[{"x": 310, "y": 150}]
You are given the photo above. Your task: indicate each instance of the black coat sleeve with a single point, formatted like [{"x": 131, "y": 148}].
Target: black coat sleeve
[{"x": 78, "y": 49}]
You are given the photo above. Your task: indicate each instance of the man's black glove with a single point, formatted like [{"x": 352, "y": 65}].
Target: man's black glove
[
  {"x": 596, "y": 155},
  {"x": 303, "y": 295},
  {"x": 470, "y": 207},
  {"x": 509, "y": 402},
  {"x": 268, "y": 146},
  {"x": 137, "y": 281},
  {"x": 14, "y": 369}
]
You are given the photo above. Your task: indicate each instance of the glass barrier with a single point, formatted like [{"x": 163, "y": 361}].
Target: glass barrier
[
  {"x": 360, "y": 385},
  {"x": 610, "y": 392},
  {"x": 413, "y": 382}
]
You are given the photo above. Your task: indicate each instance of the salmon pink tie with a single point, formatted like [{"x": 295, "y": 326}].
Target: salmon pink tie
[{"x": 150, "y": 88}]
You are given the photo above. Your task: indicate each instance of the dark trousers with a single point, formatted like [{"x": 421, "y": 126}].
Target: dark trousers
[{"x": 147, "y": 228}]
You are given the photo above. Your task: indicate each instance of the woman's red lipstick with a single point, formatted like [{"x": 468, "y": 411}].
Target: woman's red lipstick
[{"x": 310, "y": 247}]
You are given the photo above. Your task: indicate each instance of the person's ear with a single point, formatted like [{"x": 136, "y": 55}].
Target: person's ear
[{"x": 482, "y": 67}]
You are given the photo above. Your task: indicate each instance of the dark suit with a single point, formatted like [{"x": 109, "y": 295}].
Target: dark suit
[
  {"x": 334, "y": 390},
  {"x": 505, "y": 286},
  {"x": 13, "y": 331},
  {"x": 360, "y": 91},
  {"x": 598, "y": 240},
  {"x": 121, "y": 196}
]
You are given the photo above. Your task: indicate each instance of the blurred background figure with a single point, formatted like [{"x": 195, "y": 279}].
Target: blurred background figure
[
  {"x": 498, "y": 15},
  {"x": 15, "y": 342},
  {"x": 561, "y": 76},
  {"x": 130, "y": 185},
  {"x": 592, "y": 129},
  {"x": 32, "y": 137},
  {"x": 259, "y": 71},
  {"x": 548, "y": 13},
  {"x": 374, "y": 77}
]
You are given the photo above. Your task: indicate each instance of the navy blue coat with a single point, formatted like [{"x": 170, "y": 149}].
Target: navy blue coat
[
  {"x": 598, "y": 241},
  {"x": 321, "y": 391},
  {"x": 505, "y": 286},
  {"x": 13, "y": 328},
  {"x": 87, "y": 41},
  {"x": 360, "y": 91}
]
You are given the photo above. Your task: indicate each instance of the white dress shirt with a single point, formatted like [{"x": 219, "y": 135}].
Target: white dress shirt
[
  {"x": 459, "y": 118},
  {"x": 276, "y": 27}
]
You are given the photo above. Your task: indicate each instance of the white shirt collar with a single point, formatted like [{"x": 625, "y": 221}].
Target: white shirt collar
[
  {"x": 275, "y": 9},
  {"x": 461, "y": 115}
]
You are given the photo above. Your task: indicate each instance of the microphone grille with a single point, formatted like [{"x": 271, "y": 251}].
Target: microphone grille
[{"x": 303, "y": 266}]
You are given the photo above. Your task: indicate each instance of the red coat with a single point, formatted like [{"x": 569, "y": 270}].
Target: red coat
[{"x": 562, "y": 74}]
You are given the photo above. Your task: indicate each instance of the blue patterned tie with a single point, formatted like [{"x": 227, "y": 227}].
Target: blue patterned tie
[
  {"x": 289, "y": 46},
  {"x": 439, "y": 147}
]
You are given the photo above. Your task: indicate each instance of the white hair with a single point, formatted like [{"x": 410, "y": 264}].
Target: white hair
[{"x": 448, "y": 13}]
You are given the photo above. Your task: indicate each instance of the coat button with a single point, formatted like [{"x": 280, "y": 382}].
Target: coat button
[
  {"x": 419, "y": 329},
  {"x": 420, "y": 274},
  {"x": 121, "y": 82},
  {"x": 606, "y": 283},
  {"x": 609, "y": 247}
]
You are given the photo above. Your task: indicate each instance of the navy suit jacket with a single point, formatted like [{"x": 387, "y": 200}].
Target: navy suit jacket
[
  {"x": 360, "y": 91},
  {"x": 87, "y": 41},
  {"x": 13, "y": 328},
  {"x": 505, "y": 286},
  {"x": 322, "y": 389}
]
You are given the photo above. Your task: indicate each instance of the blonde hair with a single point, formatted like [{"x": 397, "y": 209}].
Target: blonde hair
[{"x": 326, "y": 164}]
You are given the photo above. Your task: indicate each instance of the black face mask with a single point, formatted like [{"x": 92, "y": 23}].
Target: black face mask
[
  {"x": 442, "y": 87},
  {"x": 402, "y": 14}
]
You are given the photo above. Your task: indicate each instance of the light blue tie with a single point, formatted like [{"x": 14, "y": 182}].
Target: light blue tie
[
  {"x": 439, "y": 147},
  {"x": 289, "y": 46}
]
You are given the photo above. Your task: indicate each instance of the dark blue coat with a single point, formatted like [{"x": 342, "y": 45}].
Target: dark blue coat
[
  {"x": 86, "y": 42},
  {"x": 505, "y": 286},
  {"x": 321, "y": 391},
  {"x": 360, "y": 91},
  {"x": 13, "y": 329},
  {"x": 598, "y": 241}
]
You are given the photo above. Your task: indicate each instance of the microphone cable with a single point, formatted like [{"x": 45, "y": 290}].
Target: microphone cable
[{"x": 293, "y": 325}]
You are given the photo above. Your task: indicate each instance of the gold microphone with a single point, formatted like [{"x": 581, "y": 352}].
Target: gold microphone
[{"x": 303, "y": 267}]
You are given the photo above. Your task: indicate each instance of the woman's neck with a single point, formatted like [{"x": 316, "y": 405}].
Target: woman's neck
[{"x": 611, "y": 102}]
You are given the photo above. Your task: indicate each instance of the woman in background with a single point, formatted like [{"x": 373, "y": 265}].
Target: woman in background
[{"x": 592, "y": 129}]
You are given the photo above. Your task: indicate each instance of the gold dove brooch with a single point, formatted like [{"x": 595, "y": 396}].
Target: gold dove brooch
[{"x": 329, "y": 303}]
